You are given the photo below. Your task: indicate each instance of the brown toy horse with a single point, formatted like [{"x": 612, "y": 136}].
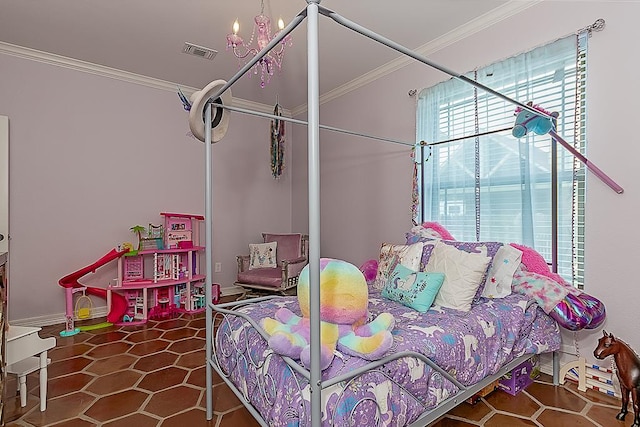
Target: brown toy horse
[{"x": 627, "y": 370}]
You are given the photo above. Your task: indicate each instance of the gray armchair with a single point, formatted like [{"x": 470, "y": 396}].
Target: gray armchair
[{"x": 292, "y": 253}]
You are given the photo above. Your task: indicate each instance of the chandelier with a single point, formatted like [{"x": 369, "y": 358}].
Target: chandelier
[{"x": 262, "y": 35}]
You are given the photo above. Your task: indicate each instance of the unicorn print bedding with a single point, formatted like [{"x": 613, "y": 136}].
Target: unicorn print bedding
[{"x": 469, "y": 345}]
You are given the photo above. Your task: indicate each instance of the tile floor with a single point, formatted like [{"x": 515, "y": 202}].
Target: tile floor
[{"x": 154, "y": 375}]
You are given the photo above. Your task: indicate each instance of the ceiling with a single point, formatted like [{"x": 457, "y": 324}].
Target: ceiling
[{"x": 146, "y": 37}]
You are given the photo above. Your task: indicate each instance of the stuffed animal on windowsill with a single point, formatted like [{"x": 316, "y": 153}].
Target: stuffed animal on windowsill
[
  {"x": 527, "y": 121},
  {"x": 344, "y": 303}
]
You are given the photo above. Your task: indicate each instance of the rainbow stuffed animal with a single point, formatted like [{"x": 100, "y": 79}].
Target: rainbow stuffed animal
[{"x": 344, "y": 300}]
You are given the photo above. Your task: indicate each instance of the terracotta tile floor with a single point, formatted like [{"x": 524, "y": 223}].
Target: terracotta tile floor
[{"x": 154, "y": 375}]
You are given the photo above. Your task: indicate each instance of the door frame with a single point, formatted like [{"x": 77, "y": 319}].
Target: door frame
[{"x": 4, "y": 183}]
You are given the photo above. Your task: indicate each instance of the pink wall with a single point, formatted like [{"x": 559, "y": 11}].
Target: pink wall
[
  {"x": 92, "y": 156},
  {"x": 365, "y": 184}
]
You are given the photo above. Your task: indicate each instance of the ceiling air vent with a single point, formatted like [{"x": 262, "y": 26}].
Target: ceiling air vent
[{"x": 201, "y": 51}]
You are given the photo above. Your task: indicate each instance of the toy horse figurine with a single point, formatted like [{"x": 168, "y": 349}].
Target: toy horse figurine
[
  {"x": 527, "y": 121},
  {"x": 627, "y": 370}
]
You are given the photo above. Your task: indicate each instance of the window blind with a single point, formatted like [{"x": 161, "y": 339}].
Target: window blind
[{"x": 497, "y": 187}]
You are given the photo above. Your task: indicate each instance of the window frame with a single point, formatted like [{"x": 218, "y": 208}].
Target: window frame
[{"x": 571, "y": 177}]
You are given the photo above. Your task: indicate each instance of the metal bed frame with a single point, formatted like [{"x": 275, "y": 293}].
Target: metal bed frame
[
  {"x": 226, "y": 310},
  {"x": 311, "y": 13}
]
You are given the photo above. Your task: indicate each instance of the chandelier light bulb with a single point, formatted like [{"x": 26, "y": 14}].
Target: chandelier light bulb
[
  {"x": 280, "y": 24},
  {"x": 236, "y": 27}
]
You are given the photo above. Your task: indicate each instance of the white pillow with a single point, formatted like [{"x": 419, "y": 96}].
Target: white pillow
[
  {"x": 390, "y": 255},
  {"x": 463, "y": 274},
  {"x": 500, "y": 275},
  {"x": 262, "y": 255}
]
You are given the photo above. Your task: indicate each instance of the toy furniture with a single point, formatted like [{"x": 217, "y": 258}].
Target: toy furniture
[
  {"x": 163, "y": 278},
  {"x": 291, "y": 255},
  {"x": 26, "y": 353}
]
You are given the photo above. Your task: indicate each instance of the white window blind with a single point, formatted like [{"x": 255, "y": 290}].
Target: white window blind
[{"x": 497, "y": 187}]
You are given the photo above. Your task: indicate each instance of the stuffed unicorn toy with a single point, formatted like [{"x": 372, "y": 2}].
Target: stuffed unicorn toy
[
  {"x": 527, "y": 121},
  {"x": 344, "y": 300}
]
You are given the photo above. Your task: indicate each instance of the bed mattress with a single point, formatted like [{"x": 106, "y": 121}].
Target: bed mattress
[{"x": 468, "y": 345}]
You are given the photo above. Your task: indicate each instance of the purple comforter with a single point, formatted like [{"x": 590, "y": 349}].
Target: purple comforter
[{"x": 468, "y": 345}]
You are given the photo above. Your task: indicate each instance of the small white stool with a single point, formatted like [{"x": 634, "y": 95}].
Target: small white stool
[{"x": 24, "y": 368}]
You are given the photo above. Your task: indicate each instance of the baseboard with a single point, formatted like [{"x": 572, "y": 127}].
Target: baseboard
[
  {"x": 58, "y": 318},
  {"x": 96, "y": 312}
]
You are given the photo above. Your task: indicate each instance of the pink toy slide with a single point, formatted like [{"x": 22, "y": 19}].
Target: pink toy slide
[{"x": 118, "y": 302}]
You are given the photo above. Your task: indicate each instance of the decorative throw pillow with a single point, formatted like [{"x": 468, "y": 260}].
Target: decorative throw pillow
[
  {"x": 485, "y": 248},
  {"x": 463, "y": 275},
  {"x": 500, "y": 275},
  {"x": 262, "y": 255},
  {"x": 414, "y": 289},
  {"x": 546, "y": 291},
  {"x": 407, "y": 255}
]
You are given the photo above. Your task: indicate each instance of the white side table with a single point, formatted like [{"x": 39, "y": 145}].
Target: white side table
[{"x": 26, "y": 353}]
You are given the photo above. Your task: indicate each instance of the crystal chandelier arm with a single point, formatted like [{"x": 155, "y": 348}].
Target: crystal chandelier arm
[
  {"x": 277, "y": 39},
  {"x": 236, "y": 52},
  {"x": 281, "y": 50}
]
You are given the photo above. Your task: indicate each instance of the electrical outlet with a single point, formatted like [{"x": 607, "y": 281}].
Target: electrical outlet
[{"x": 218, "y": 267}]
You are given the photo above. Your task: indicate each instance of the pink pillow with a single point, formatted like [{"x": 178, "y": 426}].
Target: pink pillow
[
  {"x": 438, "y": 228},
  {"x": 535, "y": 263},
  {"x": 370, "y": 270}
]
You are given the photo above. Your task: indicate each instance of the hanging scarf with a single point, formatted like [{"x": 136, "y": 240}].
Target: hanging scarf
[{"x": 277, "y": 144}]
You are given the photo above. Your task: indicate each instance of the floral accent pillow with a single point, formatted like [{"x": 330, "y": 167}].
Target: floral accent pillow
[
  {"x": 463, "y": 274},
  {"x": 262, "y": 255},
  {"x": 414, "y": 289},
  {"x": 390, "y": 255}
]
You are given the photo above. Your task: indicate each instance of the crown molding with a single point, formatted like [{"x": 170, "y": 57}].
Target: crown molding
[
  {"x": 511, "y": 8},
  {"x": 113, "y": 73}
]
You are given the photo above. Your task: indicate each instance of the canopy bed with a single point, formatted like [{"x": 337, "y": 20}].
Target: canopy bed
[{"x": 415, "y": 382}]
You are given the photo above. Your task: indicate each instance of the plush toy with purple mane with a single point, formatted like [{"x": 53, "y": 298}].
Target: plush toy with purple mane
[
  {"x": 344, "y": 301},
  {"x": 527, "y": 121}
]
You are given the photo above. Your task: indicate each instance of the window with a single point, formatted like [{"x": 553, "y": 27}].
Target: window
[{"x": 497, "y": 187}]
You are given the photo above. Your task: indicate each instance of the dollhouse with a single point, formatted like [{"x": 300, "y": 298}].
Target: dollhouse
[{"x": 163, "y": 277}]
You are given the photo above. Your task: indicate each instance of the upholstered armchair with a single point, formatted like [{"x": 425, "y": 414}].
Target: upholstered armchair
[{"x": 275, "y": 264}]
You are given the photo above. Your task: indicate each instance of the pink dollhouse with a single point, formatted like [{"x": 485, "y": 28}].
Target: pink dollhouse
[{"x": 164, "y": 278}]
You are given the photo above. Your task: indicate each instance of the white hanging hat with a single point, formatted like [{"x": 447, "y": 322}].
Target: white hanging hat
[{"x": 219, "y": 115}]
